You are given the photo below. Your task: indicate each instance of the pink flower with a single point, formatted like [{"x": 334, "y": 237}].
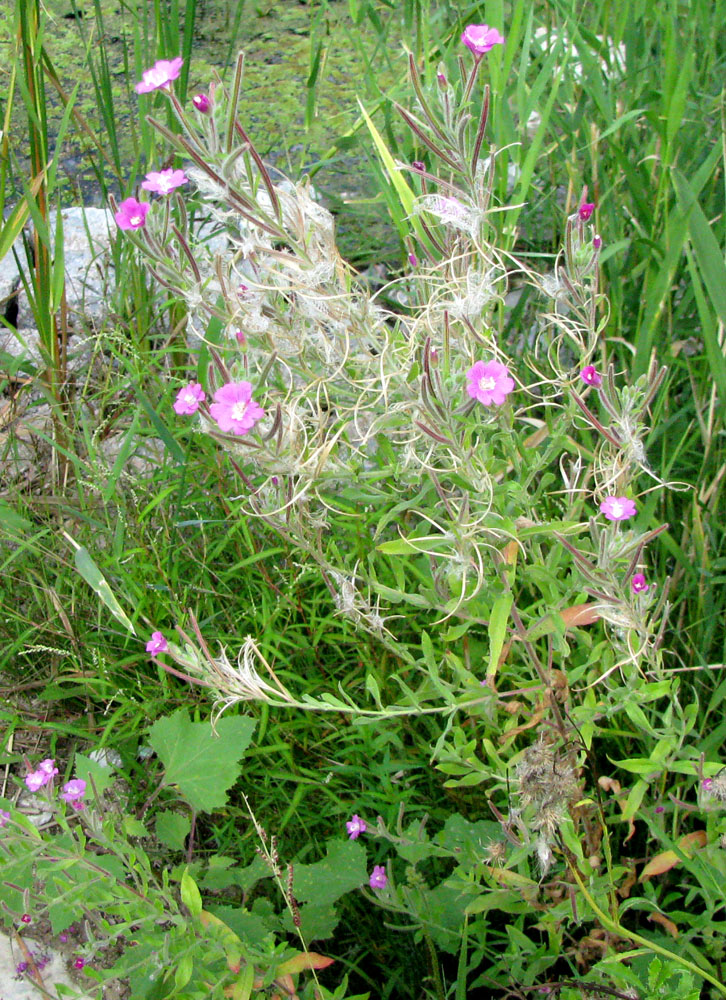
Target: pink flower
[
  {"x": 164, "y": 181},
  {"x": 480, "y": 38},
  {"x": 378, "y": 879},
  {"x": 4, "y": 817},
  {"x": 660, "y": 809},
  {"x": 131, "y": 214},
  {"x": 36, "y": 780},
  {"x": 202, "y": 103},
  {"x": 585, "y": 210},
  {"x": 489, "y": 382},
  {"x": 617, "y": 508},
  {"x": 46, "y": 772},
  {"x": 590, "y": 375},
  {"x": 157, "y": 644},
  {"x": 234, "y": 409},
  {"x": 26, "y": 918},
  {"x": 48, "y": 767},
  {"x": 160, "y": 75},
  {"x": 73, "y": 792},
  {"x": 79, "y": 963},
  {"x": 638, "y": 584},
  {"x": 356, "y": 826},
  {"x": 706, "y": 784},
  {"x": 188, "y": 399}
]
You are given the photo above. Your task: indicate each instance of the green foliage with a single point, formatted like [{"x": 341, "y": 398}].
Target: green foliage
[
  {"x": 393, "y": 722},
  {"x": 202, "y": 764}
]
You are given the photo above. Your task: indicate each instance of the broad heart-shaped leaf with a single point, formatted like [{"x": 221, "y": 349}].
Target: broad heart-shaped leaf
[
  {"x": 203, "y": 766},
  {"x": 343, "y": 870}
]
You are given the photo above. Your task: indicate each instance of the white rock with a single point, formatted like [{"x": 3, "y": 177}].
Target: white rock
[
  {"x": 53, "y": 974},
  {"x": 106, "y": 757}
]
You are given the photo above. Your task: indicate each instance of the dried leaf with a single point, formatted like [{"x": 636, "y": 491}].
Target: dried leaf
[
  {"x": 659, "y": 918},
  {"x": 580, "y": 614},
  {"x": 666, "y": 860},
  {"x": 609, "y": 784},
  {"x": 304, "y": 960}
]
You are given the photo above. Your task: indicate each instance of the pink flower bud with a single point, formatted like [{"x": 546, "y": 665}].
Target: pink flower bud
[
  {"x": 590, "y": 375},
  {"x": 202, "y": 103}
]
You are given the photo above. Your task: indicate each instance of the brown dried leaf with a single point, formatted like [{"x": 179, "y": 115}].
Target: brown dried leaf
[
  {"x": 304, "y": 960},
  {"x": 666, "y": 860},
  {"x": 580, "y": 614},
  {"x": 659, "y": 918}
]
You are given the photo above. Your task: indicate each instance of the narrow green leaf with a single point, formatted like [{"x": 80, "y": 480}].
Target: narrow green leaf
[
  {"x": 96, "y": 580},
  {"x": 243, "y": 987},
  {"x": 191, "y": 897},
  {"x": 58, "y": 273},
  {"x": 405, "y": 193},
  {"x": 183, "y": 971},
  {"x": 498, "y": 631},
  {"x": 709, "y": 257},
  {"x": 172, "y": 446}
]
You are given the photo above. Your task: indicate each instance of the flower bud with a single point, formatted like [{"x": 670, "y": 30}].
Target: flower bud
[{"x": 202, "y": 103}]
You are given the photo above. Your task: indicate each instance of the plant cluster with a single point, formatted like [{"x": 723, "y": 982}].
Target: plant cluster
[{"x": 457, "y": 467}]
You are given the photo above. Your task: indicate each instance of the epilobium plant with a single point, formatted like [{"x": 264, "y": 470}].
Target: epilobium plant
[
  {"x": 486, "y": 488},
  {"x": 322, "y": 396}
]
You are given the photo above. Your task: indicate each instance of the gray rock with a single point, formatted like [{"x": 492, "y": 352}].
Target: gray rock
[{"x": 87, "y": 235}]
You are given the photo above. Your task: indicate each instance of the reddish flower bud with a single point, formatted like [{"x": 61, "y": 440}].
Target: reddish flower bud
[{"x": 202, "y": 103}]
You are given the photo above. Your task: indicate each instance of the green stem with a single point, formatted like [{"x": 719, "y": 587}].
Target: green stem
[{"x": 615, "y": 928}]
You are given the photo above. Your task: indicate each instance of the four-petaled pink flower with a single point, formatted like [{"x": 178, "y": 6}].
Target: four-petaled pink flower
[
  {"x": 378, "y": 879},
  {"x": 202, "y": 103},
  {"x": 36, "y": 780},
  {"x": 131, "y": 214},
  {"x": 585, "y": 210},
  {"x": 48, "y": 767},
  {"x": 157, "y": 644},
  {"x": 480, "y": 38},
  {"x": 160, "y": 75},
  {"x": 489, "y": 382},
  {"x": 188, "y": 399},
  {"x": 617, "y": 508},
  {"x": 73, "y": 792},
  {"x": 356, "y": 826},
  {"x": 4, "y": 817},
  {"x": 590, "y": 375},
  {"x": 234, "y": 409},
  {"x": 638, "y": 584},
  {"x": 164, "y": 181}
]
